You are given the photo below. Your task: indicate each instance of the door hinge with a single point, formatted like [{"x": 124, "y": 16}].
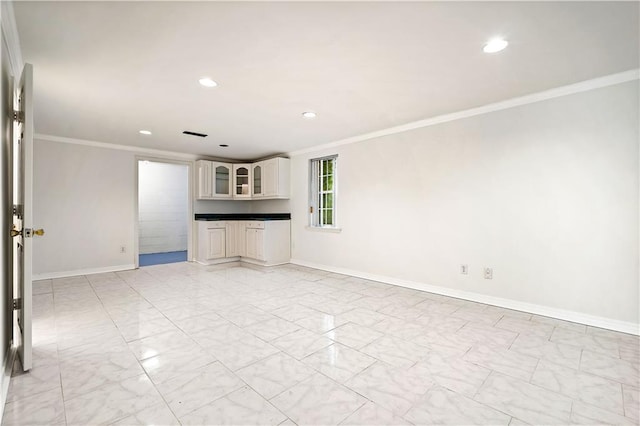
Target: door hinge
[
  {"x": 18, "y": 116},
  {"x": 17, "y": 210},
  {"x": 17, "y": 304}
]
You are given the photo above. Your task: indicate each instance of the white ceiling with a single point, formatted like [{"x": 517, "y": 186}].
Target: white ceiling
[{"x": 104, "y": 70}]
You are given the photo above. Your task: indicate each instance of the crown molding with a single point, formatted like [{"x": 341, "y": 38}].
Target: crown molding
[
  {"x": 11, "y": 38},
  {"x": 130, "y": 148},
  {"x": 583, "y": 86}
]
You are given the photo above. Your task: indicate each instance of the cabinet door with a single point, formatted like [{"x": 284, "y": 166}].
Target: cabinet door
[
  {"x": 260, "y": 244},
  {"x": 251, "y": 245},
  {"x": 255, "y": 243},
  {"x": 241, "y": 238},
  {"x": 217, "y": 243},
  {"x": 203, "y": 168},
  {"x": 232, "y": 248},
  {"x": 270, "y": 178},
  {"x": 221, "y": 180},
  {"x": 257, "y": 180},
  {"x": 241, "y": 181}
]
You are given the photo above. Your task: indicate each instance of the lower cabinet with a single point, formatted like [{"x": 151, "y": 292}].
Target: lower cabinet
[
  {"x": 235, "y": 238},
  {"x": 255, "y": 243},
  {"x": 212, "y": 242},
  {"x": 261, "y": 242}
]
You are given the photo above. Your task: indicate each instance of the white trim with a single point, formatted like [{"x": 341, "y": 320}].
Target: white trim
[
  {"x": 571, "y": 89},
  {"x": 11, "y": 38},
  {"x": 62, "y": 139},
  {"x": 106, "y": 145},
  {"x": 6, "y": 376},
  {"x": 88, "y": 271},
  {"x": 592, "y": 320},
  {"x": 157, "y": 153}
]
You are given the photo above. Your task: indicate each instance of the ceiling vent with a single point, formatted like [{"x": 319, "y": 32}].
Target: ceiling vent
[{"x": 200, "y": 135}]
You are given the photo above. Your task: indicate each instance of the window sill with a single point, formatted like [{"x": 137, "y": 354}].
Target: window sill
[{"x": 319, "y": 229}]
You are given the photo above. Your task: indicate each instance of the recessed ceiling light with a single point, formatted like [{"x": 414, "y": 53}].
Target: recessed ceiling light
[
  {"x": 495, "y": 45},
  {"x": 224, "y": 145},
  {"x": 309, "y": 114},
  {"x": 145, "y": 132},
  {"x": 207, "y": 82}
]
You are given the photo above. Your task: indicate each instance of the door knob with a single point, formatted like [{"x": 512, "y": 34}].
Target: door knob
[{"x": 28, "y": 232}]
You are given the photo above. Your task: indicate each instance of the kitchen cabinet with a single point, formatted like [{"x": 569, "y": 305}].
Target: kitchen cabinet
[
  {"x": 236, "y": 240},
  {"x": 204, "y": 179},
  {"x": 211, "y": 241},
  {"x": 255, "y": 240},
  {"x": 262, "y": 180},
  {"x": 256, "y": 172},
  {"x": 275, "y": 178},
  {"x": 222, "y": 180},
  {"x": 262, "y": 242},
  {"x": 213, "y": 180},
  {"x": 242, "y": 181}
]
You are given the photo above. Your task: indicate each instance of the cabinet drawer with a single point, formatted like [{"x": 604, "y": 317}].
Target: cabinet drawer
[
  {"x": 255, "y": 224},
  {"x": 216, "y": 224}
]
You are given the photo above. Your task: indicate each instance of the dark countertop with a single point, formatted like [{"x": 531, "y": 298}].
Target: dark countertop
[{"x": 243, "y": 216}]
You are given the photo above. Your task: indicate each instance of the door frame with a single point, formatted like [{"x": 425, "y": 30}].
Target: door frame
[{"x": 136, "y": 226}]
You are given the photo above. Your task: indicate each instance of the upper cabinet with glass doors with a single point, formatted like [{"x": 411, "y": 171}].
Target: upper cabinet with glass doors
[
  {"x": 271, "y": 179},
  {"x": 213, "y": 180},
  {"x": 222, "y": 180},
  {"x": 242, "y": 181},
  {"x": 262, "y": 180}
]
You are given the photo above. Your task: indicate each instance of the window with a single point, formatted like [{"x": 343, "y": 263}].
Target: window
[{"x": 323, "y": 185}]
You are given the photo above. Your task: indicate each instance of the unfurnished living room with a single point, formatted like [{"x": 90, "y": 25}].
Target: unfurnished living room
[{"x": 320, "y": 213}]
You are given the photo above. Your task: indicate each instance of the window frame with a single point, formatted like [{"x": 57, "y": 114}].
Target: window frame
[{"x": 316, "y": 191}]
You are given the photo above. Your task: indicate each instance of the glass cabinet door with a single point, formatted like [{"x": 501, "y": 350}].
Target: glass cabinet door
[
  {"x": 257, "y": 180},
  {"x": 222, "y": 176},
  {"x": 242, "y": 181}
]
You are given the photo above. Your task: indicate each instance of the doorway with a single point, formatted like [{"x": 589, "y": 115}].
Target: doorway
[{"x": 163, "y": 212}]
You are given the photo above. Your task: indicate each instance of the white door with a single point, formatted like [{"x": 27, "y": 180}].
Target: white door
[{"x": 22, "y": 232}]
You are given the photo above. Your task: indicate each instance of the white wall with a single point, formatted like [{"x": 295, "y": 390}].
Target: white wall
[
  {"x": 83, "y": 197},
  {"x": 271, "y": 206},
  {"x": 546, "y": 194},
  {"x": 221, "y": 206},
  {"x": 163, "y": 207}
]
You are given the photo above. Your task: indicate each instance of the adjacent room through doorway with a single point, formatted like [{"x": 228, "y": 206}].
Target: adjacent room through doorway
[{"x": 163, "y": 212}]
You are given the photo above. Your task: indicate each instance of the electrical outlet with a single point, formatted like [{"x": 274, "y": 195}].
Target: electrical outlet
[
  {"x": 488, "y": 273},
  {"x": 123, "y": 249},
  {"x": 464, "y": 269}
]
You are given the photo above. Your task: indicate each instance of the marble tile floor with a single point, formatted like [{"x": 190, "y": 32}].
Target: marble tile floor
[{"x": 235, "y": 344}]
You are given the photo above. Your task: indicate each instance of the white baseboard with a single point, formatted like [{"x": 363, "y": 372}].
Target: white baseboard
[
  {"x": 7, "y": 368},
  {"x": 592, "y": 320},
  {"x": 76, "y": 272}
]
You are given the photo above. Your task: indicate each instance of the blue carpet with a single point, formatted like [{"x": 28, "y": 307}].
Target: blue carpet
[{"x": 160, "y": 258}]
